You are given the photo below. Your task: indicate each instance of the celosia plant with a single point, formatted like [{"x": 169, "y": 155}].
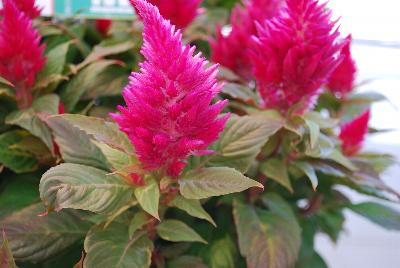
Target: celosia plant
[
  {"x": 21, "y": 55},
  {"x": 168, "y": 115},
  {"x": 146, "y": 160},
  {"x": 28, "y": 7}
]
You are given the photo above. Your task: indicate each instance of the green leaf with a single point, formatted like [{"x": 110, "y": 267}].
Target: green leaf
[
  {"x": 384, "y": 216},
  {"x": 83, "y": 187},
  {"x": 13, "y": 158},
  {"x": 148, "y": 197},
  {"x": 6, "y": 257},
  {"x": 112, "y": 248},
  {"x": 266, "y": 239},
  {"x": 309, "y": 171},
  {"x": 5, "y": 82},
  {"x": 30, "y": 119},
  {"x": 83, "y": 82},
  {"x": 56, "y": 59},
  {"x": 17, "y": 192},
  {"x": 240, "y": 92},
  {"x": 331, "y": 222},
  {"x": 102, "y": 131},
  {"x": 107, "y": 48},
  {"x": 321, "y": 121},
  {"x": 192, "y": 207},
  {"x": 277, "y": 170},
  {"x": 138, "y": 221},
  {"x": 117, "y": 159},
  {"x": 177, "y": 231},
  {"x": 223, "y": 253},
  {"x": 339, "y": 158},
  {"x": 214, "y": 181},
  {"x": 36, "y": 238},
  {"x": 75, "y": 145},
  {"x": 186, "y": 261},
  {"x": 243, "y": 139},
  {"x": 314, "y": 132}
]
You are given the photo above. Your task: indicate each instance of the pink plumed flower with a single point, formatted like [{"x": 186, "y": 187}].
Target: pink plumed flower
[
  {"x": 353, "y": 134},
  {"x": 231, "y": 51},
  {"x": 103, "y": 26},
  {"x": 180, "y": 12},
  {"x": 21, "y": 54},
  {"x": 342, "y": 79},
  {"x": 28, "y": 7},
  {"x": 169, "y": 115},
  {"x": 294, "y": 54}
]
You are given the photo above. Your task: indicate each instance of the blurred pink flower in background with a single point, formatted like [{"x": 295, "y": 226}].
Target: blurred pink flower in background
[
  {"x": 103, "y": 26},
  {"x": 353, "y": 134},
  {"x": 294, "y": 55}
]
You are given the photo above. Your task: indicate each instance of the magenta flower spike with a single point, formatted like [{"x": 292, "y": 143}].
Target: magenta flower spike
[
  {"x": 353, "y": 134},
  {"x": 169, "y": 115},
  {"x": 232, "y": 51},
  {"x": 21, "y": 55},
  {"x": 294, "y": 55},
  {"x": 28, "y": 7},
  {"x": 180, "y": 12},
  {"x": 342, "y": 79}
]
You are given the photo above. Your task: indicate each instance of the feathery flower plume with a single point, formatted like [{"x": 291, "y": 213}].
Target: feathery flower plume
[
  {"x": 21, "y": 55},
  {"x": 353, "y": 134},
  {"x": 232, "y": 51},
  {"x": 28, "y": 7},
  {"x": 294, "y": 54},
  {"x": 180, "y": 12},
  {"x": 342, "y": 79},
  {"x": 168, "y": 115},
  {"x": 103, "y": 26}
]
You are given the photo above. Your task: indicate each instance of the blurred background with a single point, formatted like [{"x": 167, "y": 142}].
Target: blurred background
[{"x": 374, "y": 26}]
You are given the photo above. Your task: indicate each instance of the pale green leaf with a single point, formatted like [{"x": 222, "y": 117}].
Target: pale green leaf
[
  {"x": 112, "y": 248},
  {"x": 223, "y": 253},
  {"x": 138, "y": 221},
  {"x": 177, "y": 231},
  {"x": 75, "y": 145},
  {"x": 214, "y": 181},
  {"x": 36, "y": 238},
  {"x": 193, "y": 207},
  {"x": 339, "y": 158},
  {"x": 382, "y": 215},
  {"x": 83, "y": 187},
  {"x": 101, "y": 130},
  {"x": 243, "y": 139},
  {"x": 276, "y": 170},
  {"x": 148, "y": 197},
  {"x": 314, "y": 132}
]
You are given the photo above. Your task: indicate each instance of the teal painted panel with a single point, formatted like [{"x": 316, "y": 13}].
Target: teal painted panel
[{"x": 117, "y": 9}]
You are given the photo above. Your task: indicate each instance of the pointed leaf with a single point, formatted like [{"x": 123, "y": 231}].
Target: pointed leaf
[
  {"x": 192, "y": 207},
  {"x": 6, "y": 257},
  {"x": 266, "y": 239},
  {"x": 36, "y": 238},
  {"x": 83, "y": 187},
  {"x": 275, "y": 169},
  {"x": 177, "y": 231},
  {"x": 384, "y": 216},
  {"x": 243, "y": 139},
  {"x": 75, "y": 145},
  {"x": 214, "y": 181},
  {"x": 112, "y": 248},
  {"x": 309, "y": 171},
  {"x": 314, "y": 132},
  {"x": 148, "y": 197},
  {"x": 138, "y": 221},
  {"x": 101, "y": 130}
]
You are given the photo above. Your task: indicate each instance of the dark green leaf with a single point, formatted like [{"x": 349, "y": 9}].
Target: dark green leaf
[
  {"x": 186, "y": 261},
  {"x": 83, "y": 187},
  {"x": 36, "y": 238},
  {"x": 177, "y": 231},
  {"x": 192, "y": 207},
  {"x": 223, "y": 253},
  {"x": 112, "y": 248},
  {"x": 215, "y": 181}
]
